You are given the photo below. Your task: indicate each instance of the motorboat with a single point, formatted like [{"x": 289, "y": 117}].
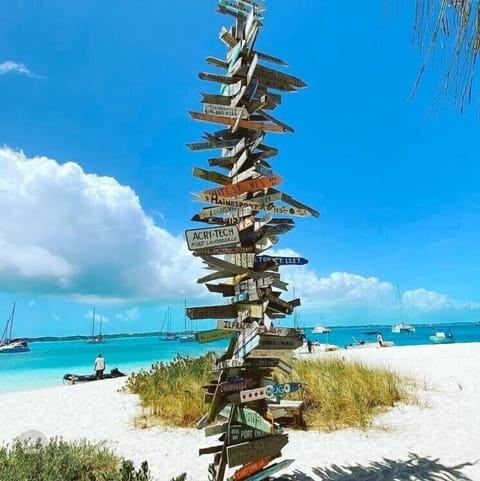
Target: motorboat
[
  {"x": 16, "y": 345},
  {"x": 403, "y": 328},
  {"x": 83, "y": 378},
  {"x": 442, "y": 337},
  {"x": 321, "y": 330},
  {"x": 370, "y": 341},
  {"x": 9, "y": 345}
]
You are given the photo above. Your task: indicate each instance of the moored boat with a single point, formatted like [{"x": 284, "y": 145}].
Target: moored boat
[
  {"x": 9, "y": 345},
  {"x": 321, "y": 330},
  {"x": 442, "y": 337},
  {"x": 403, "y": 328}
]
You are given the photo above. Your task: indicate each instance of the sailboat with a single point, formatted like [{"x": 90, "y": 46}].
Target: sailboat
[
  {"x": 9, "y": 345},
  {"x": 186, "y": 336},
  {"x": 168, "y": 334},
  {"x": 99, "y": 338},
  {"x": 402, "y": 327}
]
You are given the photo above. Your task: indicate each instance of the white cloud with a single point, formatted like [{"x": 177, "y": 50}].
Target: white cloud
[
  {"x": 129, "y": 315},
  {"x": 85, "y": 237},
  {"x": 14, "y": 67},
  {"x": 338, "y": 288},
  {"x": 428, "y": 301}
]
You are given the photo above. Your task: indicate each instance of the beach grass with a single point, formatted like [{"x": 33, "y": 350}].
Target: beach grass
[
  {"x": 337, "y": 395},
  {"x": 341, "y": 394},
  {"x": 172, "y": 393}
]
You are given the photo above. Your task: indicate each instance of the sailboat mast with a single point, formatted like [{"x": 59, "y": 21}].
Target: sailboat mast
[
  {"x": 12, "y": 316},
  {"x": 93, "y": 323}
]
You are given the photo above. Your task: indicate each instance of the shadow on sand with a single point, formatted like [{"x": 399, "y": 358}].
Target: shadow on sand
[{"x": 415, "y": 468}]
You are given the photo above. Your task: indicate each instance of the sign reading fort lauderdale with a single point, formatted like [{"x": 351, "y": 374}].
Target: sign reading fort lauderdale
[{"x": 212, "y": 237}]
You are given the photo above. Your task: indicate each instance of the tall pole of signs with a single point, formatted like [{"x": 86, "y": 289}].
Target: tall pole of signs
[{"x": 243, "y": 217}]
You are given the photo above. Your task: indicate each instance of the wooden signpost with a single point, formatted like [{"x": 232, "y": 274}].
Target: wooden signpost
[{"x": 249, "y": 216}]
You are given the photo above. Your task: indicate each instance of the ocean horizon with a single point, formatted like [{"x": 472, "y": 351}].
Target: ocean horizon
[{"x": 49, "y": 360}]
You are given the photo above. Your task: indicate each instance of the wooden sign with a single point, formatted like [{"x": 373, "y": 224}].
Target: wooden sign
[
  {"x": 270, "y": 58},
  {"x": 251, "y": 69},
  {"x": 251, "y": 185},
  {"x": 262, "y": 362},
  {"x": 212, "y": 335},
  {"x": 229, "y": 364},
  {"x": 283, "y": 261},
  {"x": 250, "y": 395},
  {"x": 216, "y": 62},
  {"x": 212, "y": 176},
  {"x": 273, "y": 209},
  {"x": 226, "y": 111},
  {"x": 213, "y": 251},
  {"x": 237, "y": 384},
  {"x": 234, "y": 52},
  {"x": 247, "y": 341},
  {"x": 280, "y": 390},
  {"x": 265, "y": 199},
  {"x": 262, "y": 170},
  {"x": 251, "y": 418},
  {"x": 250, "y": 469},
  {"x": 212, "y": 237},
  {"x": 230, "y": 90},
  {"x": 284, "y": 126},
  {"x": 267, "y": 472},
  {"x": 216, "y": 429},
  {"x": 266, "y": 73},
  {"x": 232, "y": 325},
  {"x": 232, "y": 211},
  {"x": 208, "y": 98},
  {"x": 218, "y": 144},
  {"x": 245, "y": 452},
  {"x": 210, "y": 450},
  {"x": 239, "y": 433},
  {"x": 244, "y": 124},
  {"x": 212, "y": 312}
]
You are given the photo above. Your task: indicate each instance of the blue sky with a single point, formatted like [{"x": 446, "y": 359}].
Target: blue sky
[{"x": 95, "y": 179}]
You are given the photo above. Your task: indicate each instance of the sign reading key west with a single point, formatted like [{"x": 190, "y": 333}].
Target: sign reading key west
[{"x": 212, "y": 237}]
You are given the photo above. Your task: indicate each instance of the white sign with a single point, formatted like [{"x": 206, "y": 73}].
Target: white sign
[
  {"x": 212, "y": 237},
  {"x": 225, "y": 111}
]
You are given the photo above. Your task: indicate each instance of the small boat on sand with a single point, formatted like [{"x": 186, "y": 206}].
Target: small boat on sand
[
  {"x": 82, "y": 378},
  {"x": 372, "y": 339}
]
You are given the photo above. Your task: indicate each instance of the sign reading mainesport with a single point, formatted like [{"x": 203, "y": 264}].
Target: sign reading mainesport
[{"x": 212, "y": 237}]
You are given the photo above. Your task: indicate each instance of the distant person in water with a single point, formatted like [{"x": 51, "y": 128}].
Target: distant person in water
[{"x": 99, "y": 366}]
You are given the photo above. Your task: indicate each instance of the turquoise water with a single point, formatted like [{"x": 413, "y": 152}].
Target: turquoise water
[{"x": 47, "y": 362}]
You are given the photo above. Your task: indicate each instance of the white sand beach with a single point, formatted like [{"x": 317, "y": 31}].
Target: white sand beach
[{"x": 441, "y": 437}]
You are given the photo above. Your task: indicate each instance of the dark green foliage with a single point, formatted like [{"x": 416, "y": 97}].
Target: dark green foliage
[{"x": 59, "y": 460}]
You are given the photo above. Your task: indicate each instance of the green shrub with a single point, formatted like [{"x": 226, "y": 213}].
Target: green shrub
[{"x": 59, "y": 460}]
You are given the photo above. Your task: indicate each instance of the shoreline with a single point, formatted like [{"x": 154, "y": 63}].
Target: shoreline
[{"x": 443, "y": 427}]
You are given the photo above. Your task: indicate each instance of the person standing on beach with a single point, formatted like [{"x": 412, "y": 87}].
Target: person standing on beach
[{"x": 99, "y": 366}]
